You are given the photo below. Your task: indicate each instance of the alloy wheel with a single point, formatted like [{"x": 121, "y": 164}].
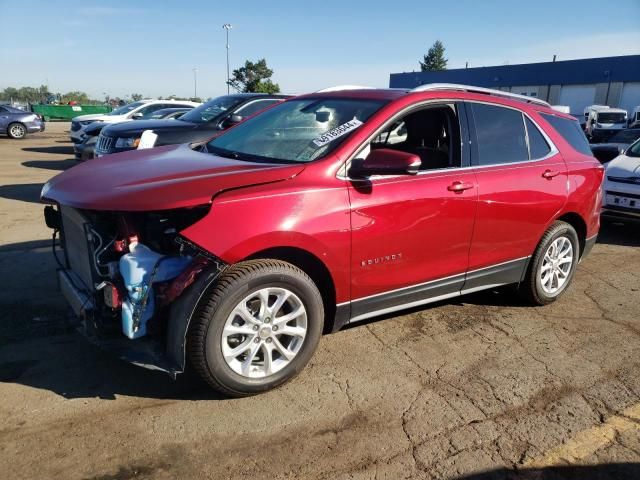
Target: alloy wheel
[
  {"x": 264, "y": 332},
  {"x": 17, "y": 131},
  {"x": 556, "y": 265}
]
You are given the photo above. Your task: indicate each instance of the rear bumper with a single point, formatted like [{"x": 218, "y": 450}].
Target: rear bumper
[
  {"x": 621, "y": 213},
  {"x": 588, "y": 246},
  {"x": 33, "y": 127}
]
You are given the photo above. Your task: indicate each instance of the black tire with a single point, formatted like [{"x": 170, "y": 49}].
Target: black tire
[
  {"x": 235, "y": 284},
  {"x": 531, "y": 288},
  {"x": 13, "y": 131}
]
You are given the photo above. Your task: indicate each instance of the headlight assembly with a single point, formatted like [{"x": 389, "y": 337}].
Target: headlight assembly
[{"x": 127, "y": 142}]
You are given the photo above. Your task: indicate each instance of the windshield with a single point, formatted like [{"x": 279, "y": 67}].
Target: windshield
[
  {"x": 212, "y": 109},
  {"x": 626, "y": 136},
  {"x": 125, "y": 109},
  {"x": 609, "y": 117},
  {"x": 633, "y": 150},
  {"x": 296, "y": 130}
]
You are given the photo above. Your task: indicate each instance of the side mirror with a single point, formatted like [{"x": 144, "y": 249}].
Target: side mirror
[
  {"x": 230, "y": 121},
  {"x": 137, "y": 115},
  {"x": 385, "y": 161}
]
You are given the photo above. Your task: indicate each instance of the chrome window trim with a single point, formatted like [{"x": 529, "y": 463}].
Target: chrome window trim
[{"x": 343, "y": 176}]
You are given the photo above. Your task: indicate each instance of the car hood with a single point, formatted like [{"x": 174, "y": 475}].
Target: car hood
[
  {"x": 130, "y": 129},
  {"x": 162, "y": 178},
  {"x": 92, "y": 116},
  {"x": 623, "y": 166},
  {"x": 93, "y": 129}
]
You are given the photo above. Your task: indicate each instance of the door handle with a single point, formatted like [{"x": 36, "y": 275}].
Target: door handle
[
  {"x": 549, "y": 174},
  {"x": 459, "y": 187}
]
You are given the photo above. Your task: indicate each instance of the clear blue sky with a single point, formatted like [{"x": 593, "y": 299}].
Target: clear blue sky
[{"x": 151, "y": 47}]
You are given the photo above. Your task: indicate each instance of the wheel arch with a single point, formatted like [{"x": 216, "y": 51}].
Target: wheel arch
[
  {"x": 312, "y": 266},
  {"x": 580, "y": 226},
  {"x": 19, "y": 123}
]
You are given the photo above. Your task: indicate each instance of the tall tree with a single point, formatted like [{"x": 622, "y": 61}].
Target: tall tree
[
  {"x": 136, "y": 96},
  {"x": 434, "y": 59},
  {"x": 254, "y": 77}
]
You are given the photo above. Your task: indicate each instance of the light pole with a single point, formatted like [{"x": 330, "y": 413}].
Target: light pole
[
  {"x": 227, "y": 27},
  {"x": 195, "y": 84}
]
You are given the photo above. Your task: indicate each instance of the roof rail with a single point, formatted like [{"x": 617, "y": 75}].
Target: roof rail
[
  {"x": 338, "y": 88},
  {"x": 488, "y": 91}
]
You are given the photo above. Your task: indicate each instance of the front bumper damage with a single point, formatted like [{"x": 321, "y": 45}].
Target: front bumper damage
[
  {"x": 164, "y": 350},
  {"x": 153, "y": 353}
]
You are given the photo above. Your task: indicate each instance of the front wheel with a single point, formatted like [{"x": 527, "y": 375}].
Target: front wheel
[
  {"x": 552, "y": 266},
  {"x": 17, "y": 131},
  {"x": 257, "y": 328}
]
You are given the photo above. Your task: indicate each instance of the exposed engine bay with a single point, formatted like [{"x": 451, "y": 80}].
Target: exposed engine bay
[{"x": 122, "y": 271}]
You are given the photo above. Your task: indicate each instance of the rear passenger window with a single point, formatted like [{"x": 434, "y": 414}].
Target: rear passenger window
[
  {"x": 569, "y": 130},
  {"x": 500, "y": 134},
  {"x": 538, "y": 146}
]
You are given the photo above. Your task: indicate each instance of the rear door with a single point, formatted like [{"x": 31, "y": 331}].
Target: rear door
[{"x": 522, "y": 185}]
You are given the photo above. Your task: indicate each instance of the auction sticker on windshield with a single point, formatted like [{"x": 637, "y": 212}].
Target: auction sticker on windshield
[{"x": 337, "y": 132}]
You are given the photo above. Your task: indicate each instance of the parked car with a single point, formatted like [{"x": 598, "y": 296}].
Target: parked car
[
  {"x": 132, "y": 111},
  {"x": 198, "y": 125},
  {"x": 603, "y": 122},
  {"x": 634, "y": 120},
  {"x": 84, "y": 150},
  {"x": 616, "y": 145},
  {"x": 17, "y": 123},
  {"x": 237, "y": 255},
  {"x": 622, "y": 185}
]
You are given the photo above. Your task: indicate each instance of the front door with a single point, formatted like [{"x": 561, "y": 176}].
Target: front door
[{"x": 411, "y": 234}]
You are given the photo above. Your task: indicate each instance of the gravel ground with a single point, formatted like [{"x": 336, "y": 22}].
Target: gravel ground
[{"x": 481, "y": 388}]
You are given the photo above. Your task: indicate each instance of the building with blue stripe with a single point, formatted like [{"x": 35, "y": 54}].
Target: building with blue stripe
[{"x": 613, "y": 81}]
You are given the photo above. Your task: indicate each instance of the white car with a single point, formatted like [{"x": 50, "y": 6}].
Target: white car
[
  {"x": 622, "y": 184},
  {"x": 141, "y": 109}
]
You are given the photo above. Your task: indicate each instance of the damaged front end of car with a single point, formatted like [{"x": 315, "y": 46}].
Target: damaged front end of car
[{"x": 132, "y": 280}]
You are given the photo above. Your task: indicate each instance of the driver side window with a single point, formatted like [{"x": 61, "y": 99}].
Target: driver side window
[{"x": 432, "y": 133}]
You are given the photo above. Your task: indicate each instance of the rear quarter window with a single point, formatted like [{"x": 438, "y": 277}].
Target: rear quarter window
[{"x": 569, "y": 130}]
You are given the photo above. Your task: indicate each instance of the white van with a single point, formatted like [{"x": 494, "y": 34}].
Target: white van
[{"x": 603, "y": 121}]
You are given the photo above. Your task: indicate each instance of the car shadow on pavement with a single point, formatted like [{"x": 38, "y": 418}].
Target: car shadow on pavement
[
  {"x": 605, "y": 471},
  {"x": 623, "y": 233},
  {"x": 24, "y": 192},
  {"x": 39, "y": 347},
  {"x": 67, "y": 150},
  {"x": 51, "y": 164}
]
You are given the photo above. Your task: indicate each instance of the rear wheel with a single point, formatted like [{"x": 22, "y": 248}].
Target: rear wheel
[
  {"x": 257, "y": 328},
  {"x": 553, "y": 265},
  {"x": 17, "y": 131}
]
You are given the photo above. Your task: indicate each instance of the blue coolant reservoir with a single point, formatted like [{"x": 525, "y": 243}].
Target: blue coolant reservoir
[{"x": 137, "y": 269}]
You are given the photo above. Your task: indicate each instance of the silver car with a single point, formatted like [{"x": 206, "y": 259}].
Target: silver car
[{"x": 17, "y": 123}]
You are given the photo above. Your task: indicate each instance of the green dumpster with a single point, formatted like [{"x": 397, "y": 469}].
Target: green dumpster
[{"x": 67, "y": 112}]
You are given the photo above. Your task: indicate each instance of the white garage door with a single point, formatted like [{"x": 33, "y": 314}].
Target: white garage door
[
  {"x": 577, "y": 97},
  {"x": 630, "y": 96}
]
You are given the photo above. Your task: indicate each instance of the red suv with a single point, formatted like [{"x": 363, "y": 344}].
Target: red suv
[{"x": 237, "y": 254}]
